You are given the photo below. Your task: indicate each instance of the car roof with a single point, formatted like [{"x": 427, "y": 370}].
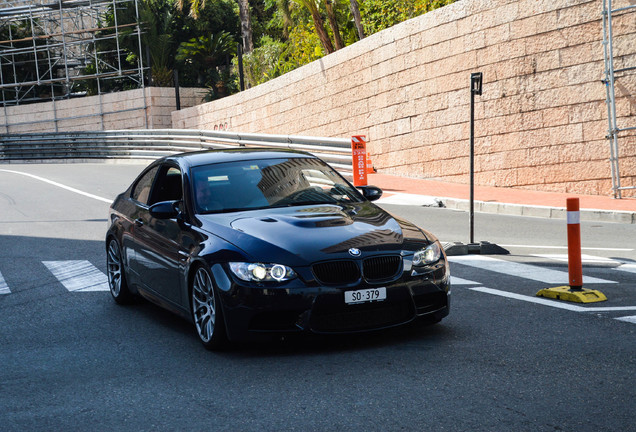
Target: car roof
[{"x": 207, "y": 157}]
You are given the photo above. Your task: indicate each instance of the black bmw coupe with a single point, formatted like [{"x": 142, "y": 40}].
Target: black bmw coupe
[{"x": 249, "y": 242}]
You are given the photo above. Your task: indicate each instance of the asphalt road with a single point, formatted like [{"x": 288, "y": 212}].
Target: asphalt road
[{"x": 74, "y": 360}]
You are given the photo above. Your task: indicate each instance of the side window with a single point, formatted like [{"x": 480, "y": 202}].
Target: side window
[
  {"x": 141, "y": 191},
  {"x": 167, "y": 186}
]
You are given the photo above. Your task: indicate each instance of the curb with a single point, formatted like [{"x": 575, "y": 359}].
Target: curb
[
  {"x": 588, "y": 215},
  {"x": 545, "y": 212}
]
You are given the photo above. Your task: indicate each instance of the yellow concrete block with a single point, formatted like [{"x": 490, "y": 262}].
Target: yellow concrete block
[{"x": 572, "y": 295}]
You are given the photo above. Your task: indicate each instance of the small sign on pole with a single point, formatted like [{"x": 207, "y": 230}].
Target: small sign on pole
[{"x": 359, "y": 155}]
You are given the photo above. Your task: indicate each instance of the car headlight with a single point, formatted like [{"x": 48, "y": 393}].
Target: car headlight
[
  {"x": 429, "y": 255},
  {"x": 258, "y": 272}
]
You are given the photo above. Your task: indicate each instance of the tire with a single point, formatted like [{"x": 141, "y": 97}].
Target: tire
[
  {"x": 116, "y": 274},
  {"x": 207, "y": 313}
]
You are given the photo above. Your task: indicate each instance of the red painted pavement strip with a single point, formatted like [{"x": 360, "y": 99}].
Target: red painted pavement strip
[{"x": 396, "y": 184}]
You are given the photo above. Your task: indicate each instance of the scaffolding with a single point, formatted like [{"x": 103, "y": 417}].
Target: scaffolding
[
  {"x": 58, "y": 49},
  {"x": 612, "y": 74}
]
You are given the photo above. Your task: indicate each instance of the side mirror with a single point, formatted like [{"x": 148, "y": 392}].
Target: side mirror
[
  {"x": 165, "y": 210},
  {"x": 371, "y": 193}
]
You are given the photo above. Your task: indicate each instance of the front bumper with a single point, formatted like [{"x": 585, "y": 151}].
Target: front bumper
[{"x": 252, "y": 311}]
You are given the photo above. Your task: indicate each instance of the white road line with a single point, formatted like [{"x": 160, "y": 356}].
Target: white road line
[
  {"x": 538, "y": 300},
  {"x": 585, "y": 259},
  {"x": 629, "y": 319},
  {"x": 78, "y": 275},
  {"x": 536, "y": 273},
  {"x": 459, "y": 281},
  {"x": 552, "y": 303},
  {"x": 4, "y": 288},
  {"x": 60, "y": 185},
  {"x": 630, "y": 268},
  {"x": 409, "y": 199},
  {"x": 565, "y": 248}
]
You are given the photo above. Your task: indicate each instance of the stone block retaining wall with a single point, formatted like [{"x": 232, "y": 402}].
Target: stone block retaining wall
[
  {"x": 121, "y": 110},
  {"x": 540, "y": 123}
]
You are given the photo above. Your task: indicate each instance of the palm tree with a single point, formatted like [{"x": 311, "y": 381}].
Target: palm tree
[
  {"x": 333, "y": 23},
  {"x": 158, "y": 39},
  {"x": 246, "y": 25},
  {"x": 283, "y": 7},
  {"x": 313, "y": 8},
  {"x": 205, "y": 53},
  {"x": 355, "y": 11},
  {"x": 244, "y": 14}
]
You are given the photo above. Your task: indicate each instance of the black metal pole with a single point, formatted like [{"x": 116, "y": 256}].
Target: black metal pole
[
  {"x": 471, "y": 210},
  {"x": 175, "y": 75},
  {"x": 149, "y": 74},
  {"x": 475, "y": 89}
]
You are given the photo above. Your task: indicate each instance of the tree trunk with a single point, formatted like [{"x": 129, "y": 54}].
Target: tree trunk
[
  {"x": 320, "y": 30},
  {"x": 331, "y": 15},
  {"x": 355, "y": 10},
  {"x": 246, "y": 25}
]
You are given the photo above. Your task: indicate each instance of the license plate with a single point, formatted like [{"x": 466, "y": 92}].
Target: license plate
[{"x": 365, "y": 295}]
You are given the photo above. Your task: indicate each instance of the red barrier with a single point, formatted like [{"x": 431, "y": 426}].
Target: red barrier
[
  {"x": 370, "y": 169},
  {"x": 359, "y": 154},
  {"x": 575, "y": 269}
]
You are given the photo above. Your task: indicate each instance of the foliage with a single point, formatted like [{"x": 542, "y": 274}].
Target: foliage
[
  {"x": 303, "y": 47},
  {"x": 158, "y": 38},
  {"x": 225, "y": 84},
  {"x": 380, "y": 14},
  {"x": 164, "y": 27},
  {"x": 204, "y": 54},
  {"x": 288, "y": 34},
  {"x": 274, "y": 58},
  {"x": 297, "y": 32},
  {"x": 262, "y": 64},
  {"x": 206, "y": 51}
]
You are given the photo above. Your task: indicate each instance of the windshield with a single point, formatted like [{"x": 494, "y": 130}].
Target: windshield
[{"x": 257, "y": 184}]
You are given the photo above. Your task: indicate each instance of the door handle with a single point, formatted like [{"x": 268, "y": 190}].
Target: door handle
[{"x": 139, "y": 222}]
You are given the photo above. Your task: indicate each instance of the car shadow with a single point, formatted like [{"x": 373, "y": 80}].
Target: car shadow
[{"x": 415, "y": 335}]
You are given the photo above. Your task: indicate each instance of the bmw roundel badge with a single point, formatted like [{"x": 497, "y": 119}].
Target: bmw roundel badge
[{"x": 355, "y": 252}]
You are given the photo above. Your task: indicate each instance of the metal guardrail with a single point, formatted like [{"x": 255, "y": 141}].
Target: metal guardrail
[{"x": 155, "y": 143}]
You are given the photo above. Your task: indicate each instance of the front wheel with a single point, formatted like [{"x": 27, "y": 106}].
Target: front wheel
[
  {"x": 116, "y": 275},
  {"x": 206, "y": 311}
]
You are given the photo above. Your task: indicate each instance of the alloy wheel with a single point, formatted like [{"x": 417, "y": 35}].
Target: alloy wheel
[
  {"x": 113, "y": 262},
  {"x": 204, "y": 305}
]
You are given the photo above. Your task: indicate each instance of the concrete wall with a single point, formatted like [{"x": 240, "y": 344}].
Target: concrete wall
[
  {"x": 122, "y": 110},
  {"x": 541, "y": 121}
]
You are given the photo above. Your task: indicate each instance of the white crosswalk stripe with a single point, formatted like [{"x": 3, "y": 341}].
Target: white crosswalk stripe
[
  {"x": 585, "y": 259},
  {"x": 621, "y": 265},
  {"x": 630, "y": 268},
  {"x": 460, "y": 281},
  {"x": 4, "y": 288},
  {"x": 629, "y": 319},
  {"x": 78, "y": 275},
  {"x": 526, "y": 271}
]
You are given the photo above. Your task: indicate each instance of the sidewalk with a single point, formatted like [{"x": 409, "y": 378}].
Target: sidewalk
[{"x": 488, "y": 199}]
